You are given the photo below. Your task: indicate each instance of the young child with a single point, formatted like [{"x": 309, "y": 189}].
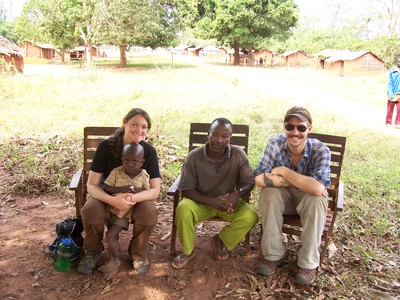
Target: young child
[{"x": 128, "y": 178}]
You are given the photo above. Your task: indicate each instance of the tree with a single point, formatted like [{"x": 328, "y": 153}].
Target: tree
[
  {"x": 245, "y": 23},
  {"x": 152, "y": 23},
  {"x": 7, "y": 28},
  {"x": 28, "y": 25},
  {"x": 58, "y": 24}
]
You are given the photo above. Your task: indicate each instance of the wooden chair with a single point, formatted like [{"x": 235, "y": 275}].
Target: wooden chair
[
  {"x": 198, "y": 137},
  {"x": 92, "y": 136},
  {"x": 292, "y": 224}
]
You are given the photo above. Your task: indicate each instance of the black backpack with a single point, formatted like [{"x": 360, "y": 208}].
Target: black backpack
[{"x": 71, "y": 227}]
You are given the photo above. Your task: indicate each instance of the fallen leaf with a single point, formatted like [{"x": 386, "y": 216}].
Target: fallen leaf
[
  {"x": 111, "y": 286},
  {"x": 165, "y": 236}
]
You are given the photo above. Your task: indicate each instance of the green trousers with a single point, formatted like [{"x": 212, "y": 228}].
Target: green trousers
[{"x": 189, "y": 212}]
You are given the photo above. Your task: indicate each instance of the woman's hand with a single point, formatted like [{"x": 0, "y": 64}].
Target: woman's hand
[{"x": 123, "y": 201}]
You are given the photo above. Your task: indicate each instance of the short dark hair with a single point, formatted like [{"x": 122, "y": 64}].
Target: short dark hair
[
  {"x": 222, "y": 121},
  {"x": 133, "y": 148}
]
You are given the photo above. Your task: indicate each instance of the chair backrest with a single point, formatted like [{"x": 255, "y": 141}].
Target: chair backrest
[
  {"x": 199, "y": 132},
  {"x": 92, "y": 136},
  {"x": 337, "y": 146}
]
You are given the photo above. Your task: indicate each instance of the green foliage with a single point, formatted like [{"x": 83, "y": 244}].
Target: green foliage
[
  {"x": 58, "y": 23},
  {"x": 7, "y": 28},
  {"x": 387, "y": 48},
  {"x": 246, "y": 23},
  {"x": 28, "y": 24},
  {"x": 312, "y": 40}
]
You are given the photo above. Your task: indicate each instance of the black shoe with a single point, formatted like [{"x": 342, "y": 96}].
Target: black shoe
[
  {"x": 269, "y": 267},
  {"x": 88, "y": 262}
]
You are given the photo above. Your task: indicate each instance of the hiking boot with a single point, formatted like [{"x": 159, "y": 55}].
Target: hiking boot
[
  {"x": 88, "y": 262},
  {"x": 305, "y": 276},
  {"x": 268, "y": 268}
]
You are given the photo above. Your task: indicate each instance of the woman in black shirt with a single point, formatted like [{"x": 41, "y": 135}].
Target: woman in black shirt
[{"x": 134, "y": 128}]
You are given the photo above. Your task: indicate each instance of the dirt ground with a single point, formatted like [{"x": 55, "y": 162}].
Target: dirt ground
[{"x": 27, "y": 269}]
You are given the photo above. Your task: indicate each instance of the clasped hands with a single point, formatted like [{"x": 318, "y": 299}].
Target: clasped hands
[
  {"x": 124, "y": 197},
  {"x": 227, "y": 202}
]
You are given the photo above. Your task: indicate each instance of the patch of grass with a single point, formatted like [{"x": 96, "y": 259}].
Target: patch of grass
[{"x": 38, "y": 165}]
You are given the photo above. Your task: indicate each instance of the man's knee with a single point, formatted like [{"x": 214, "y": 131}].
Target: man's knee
[
  {"x": 249, "y": 215},
  {"x": 252, "y": 218},
  {"x": 270, "y": 198},
  {"x": 314, "y": 204}
]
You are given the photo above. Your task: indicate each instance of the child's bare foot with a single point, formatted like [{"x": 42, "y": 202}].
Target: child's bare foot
[{"x": 110, "y": 268}]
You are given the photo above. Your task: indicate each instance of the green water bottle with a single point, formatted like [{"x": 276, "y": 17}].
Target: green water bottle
[{"x": 64, "y": 254}]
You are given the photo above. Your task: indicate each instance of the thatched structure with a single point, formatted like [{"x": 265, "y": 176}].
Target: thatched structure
[
  {"x": 11, "y": 56},
  {"x": 346, "y": 62}
]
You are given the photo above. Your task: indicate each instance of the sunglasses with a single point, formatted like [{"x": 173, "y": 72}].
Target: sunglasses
[{"x": 300, "y": 128}]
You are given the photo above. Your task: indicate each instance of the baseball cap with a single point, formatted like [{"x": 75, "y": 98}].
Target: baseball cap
[{"x": 300, "y": 112}]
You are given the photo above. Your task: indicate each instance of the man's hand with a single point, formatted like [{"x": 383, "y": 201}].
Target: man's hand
[
  {"x": 275, "y": 180},
  {"x": 233, "y": 198},
  {"x": 221, "y": 203}
]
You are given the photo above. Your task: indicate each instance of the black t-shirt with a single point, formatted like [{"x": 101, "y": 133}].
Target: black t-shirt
[{"x": 104, "y": 160}]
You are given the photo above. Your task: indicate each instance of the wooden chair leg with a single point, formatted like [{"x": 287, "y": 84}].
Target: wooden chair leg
[
  {"x": 78, "y": 202},
  {"x": 247, "y": 244},
  {"x": 323, "y": 254},
  {"x": 173, "y": 240},
  {"x": 172, "y": 250}
]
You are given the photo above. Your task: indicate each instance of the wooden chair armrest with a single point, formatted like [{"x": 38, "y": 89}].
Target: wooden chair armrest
[
  {"x": 76, "y": 180},
  {"x": 340, "y": 199},
  {"x": 174, "y": 187}
]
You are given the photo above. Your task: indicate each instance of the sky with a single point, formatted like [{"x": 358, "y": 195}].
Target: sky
[
  {"x": 318, "y": 12},
  {"x": 13, "y": 8},
  {"x": 307, "y": 7}
]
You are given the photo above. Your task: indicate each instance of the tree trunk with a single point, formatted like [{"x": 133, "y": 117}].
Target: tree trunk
[
  {"x": 236, "y": 58},
  {"x": 89, "y": 54},
  {"x": 250, "y": 56},
  {"x": 122, "y": 56},
  {"x": 62, "y": 55}
]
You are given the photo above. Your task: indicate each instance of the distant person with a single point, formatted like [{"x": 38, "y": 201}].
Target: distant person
[
  {"x": 294, "y": 174},
  {"x": 393, "y": 94},
  {"x": 214, "y": 178},
  {"x": 128, "y": 177},
  {"x": 135, "y": 127}
]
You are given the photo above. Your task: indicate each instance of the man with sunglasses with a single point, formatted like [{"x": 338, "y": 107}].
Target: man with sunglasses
[{"x": 293, "y": 173}]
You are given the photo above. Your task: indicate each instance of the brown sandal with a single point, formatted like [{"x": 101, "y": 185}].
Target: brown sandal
[
  {"x": 181, "y": 260},
  {"x": 220, "y": 251}
]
